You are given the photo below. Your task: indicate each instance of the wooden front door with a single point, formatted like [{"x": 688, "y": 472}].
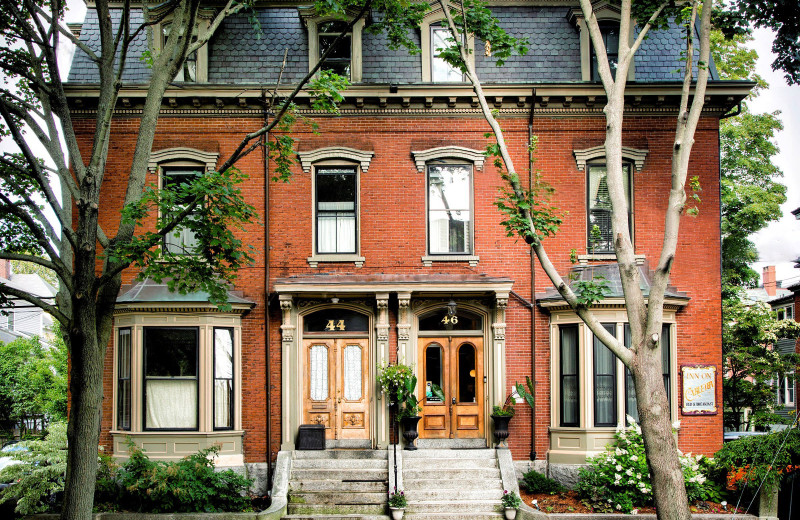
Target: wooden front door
[
  {"x": 456, "y": 366},
  {"x": 335, "y": 389}
]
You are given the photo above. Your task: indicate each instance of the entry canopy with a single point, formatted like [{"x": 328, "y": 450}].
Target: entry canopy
[
  {"x": 329, "y": 285},
  {"x": 614, "y": 295}
]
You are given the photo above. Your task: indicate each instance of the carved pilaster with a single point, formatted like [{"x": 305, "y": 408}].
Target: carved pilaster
[
  {"x": 382, "y": 327},
  {"x": 404, "y": 316},
  {"x": 499, "y": 325},
  {"x": 287, "y": 329}
]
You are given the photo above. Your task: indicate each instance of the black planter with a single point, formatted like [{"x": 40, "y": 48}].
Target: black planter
[
  {"x": 501, "y": 428},
  {"x": 410, "y": 431}
]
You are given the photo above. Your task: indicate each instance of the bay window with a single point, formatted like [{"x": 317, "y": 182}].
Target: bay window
[
  {"x": 570, "y": 402},
  {"x": 223, "y": 378},
  {"x": 170, "y": 378},
  {"x": 605, "y": 385}
]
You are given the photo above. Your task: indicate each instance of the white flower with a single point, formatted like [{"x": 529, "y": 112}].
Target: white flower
[
  {"x": 630, "y": 420},
  {"x": 619, "y": 507},
  {"x": 634, "y": 511},
  {"x": 629, "y": 472},
  {"x": 618, "y": 467},
  {"x": 634, "y": 458}
]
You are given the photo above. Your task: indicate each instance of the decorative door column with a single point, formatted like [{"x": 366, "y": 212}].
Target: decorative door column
[
  {"x": 403, "y": 325},
  {"x": 289, "y": 362},
  {"x": 382, "y": 350},
  {"x": 499, "y": 339}
]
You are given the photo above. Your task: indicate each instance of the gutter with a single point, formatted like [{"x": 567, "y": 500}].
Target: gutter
[
  {"x": 268, "y": 400},
  {"x": 533, "y": 286}
]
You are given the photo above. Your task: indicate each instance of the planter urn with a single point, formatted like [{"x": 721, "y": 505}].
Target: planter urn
[
  {"x": 410, "y": 433},
  {"x": 397, "y": 512},
  {"x": 511, "y": 513},
  {"x": 501, "y": 429}
]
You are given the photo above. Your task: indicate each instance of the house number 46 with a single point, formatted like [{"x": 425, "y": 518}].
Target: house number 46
[
  {"x": 335, "y": 325},
  {"x": 447, "y": 320}
]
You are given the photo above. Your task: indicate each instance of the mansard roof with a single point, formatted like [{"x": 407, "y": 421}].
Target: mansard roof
[{"x": 240, "y": 55}]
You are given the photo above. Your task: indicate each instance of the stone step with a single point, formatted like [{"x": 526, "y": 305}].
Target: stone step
[
  {"x": 337, "y": 517},
  {"x": 339, "y": 498},
  {"x": 454, "y": 506},
  {"x": 322, "y": 510},
  {"x": 437, "y": 483},
  {"x": 457, "y": 494},
  {"x": 313, "y": 486},
  {"x": 465, "y": 474},
  {"x": 452, "y": 516},
  {"x": 446, "y": 464},
  {"x": 362, "y": 475},
  {"x": 446, "y": 453},
  {"x": 339, "y": 454},
  {"x": 340, "y": 464},
  {"x": 451, "y": 443}
]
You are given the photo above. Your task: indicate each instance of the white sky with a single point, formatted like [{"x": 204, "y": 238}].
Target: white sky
[{"x": 779, "y": 243}]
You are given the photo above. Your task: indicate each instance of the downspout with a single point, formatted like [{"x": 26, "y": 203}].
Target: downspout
[
  {"x": 265, "y": 149},
  {"x": 533, "y": 288}
]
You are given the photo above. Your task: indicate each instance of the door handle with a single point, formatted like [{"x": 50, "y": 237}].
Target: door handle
[{"x": 454, "y": 400}]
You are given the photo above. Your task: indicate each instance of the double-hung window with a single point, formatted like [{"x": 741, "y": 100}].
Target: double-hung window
[
  {"x": 124, "y": 379},
  {"x": 600, "y": 236},
  {"x": 223, "y": 378},
  {"x": 450, "y": 209},
  {"x": 605, "y": 381},
  {"x": 610, "y": 33},
  {"x": 188, "y": 72},
  {"x": 336, "y": 208},
  {"x": 568, "y": 375},
  {"x": 630, "y": 392},
  {"x": 785, "y": 390},
  {"x": 181, "y": 240},
  {"x": 170, "y": 378},
  {"x": 441, "y": 71},
  {"x": 340, "y": 58}
]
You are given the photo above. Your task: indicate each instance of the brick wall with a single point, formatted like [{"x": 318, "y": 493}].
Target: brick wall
[{"x": 392, "y": 233}]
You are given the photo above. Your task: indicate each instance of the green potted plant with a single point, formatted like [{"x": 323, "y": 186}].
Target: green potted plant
[
  {"x": 501, "y": 416},
  {"x": 397, "y": 504},
  {"x": 400, "y": 384},
  {"x": 511, "y": 503}
]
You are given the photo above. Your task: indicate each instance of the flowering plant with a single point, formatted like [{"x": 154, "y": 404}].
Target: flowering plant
[
  {"x": 399, "y": 384},
  {"x": 619, "y": 480},
  {"x": 511, "y": 499},
  {"x": 398, "y": 500}
]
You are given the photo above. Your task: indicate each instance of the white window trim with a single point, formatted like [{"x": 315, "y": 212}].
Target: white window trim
[
  {"x": 631, "y": 213},
  {"x": 329, "y": 158},
  {"x": 634, "y": 155},
  {"x": 432, "y": 17},
  {"x": 204, "y": 17},
  {"x": 586, "y": 376},
  {"x": 167, "y": 444},
  {"x": 604, "y": 11},
  {"x": 787, "y": 403},
  {"x": 312, "y": 22}
]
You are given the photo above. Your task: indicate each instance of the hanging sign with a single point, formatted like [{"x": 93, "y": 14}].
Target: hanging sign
[{"x": 699, "y": 389}]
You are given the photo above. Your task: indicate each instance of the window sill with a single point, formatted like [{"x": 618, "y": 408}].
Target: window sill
[
  {"x": 315, "y": 260},
  {"x": 428, "y": 260},
  {"x": 605, "y": 257}
]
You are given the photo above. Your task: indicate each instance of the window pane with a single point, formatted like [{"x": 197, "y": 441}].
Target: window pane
[
  {"x": 630, "y": 390},
  {"x": 124, "y": 379},
  {"x": 569, "y": 375},
  {"x": 318, "y": 367},
  {"x": 605, "y": 376},
  {"x": 181, "y": 241},
  {"x": 599, "y": 230},
  {"x": 449, "y": 209},
  {"x": 352, "y": 373},
  {"x": 170, "y": 369},
  {"x": 665, "y": 360},
  {"x": 466, "y": 374},
  {"x": 433, "y": 371},
  {"x": 441, "y": 71},
  {"x": 336, "y": 210},
  {"x": 223, "y": 378},
  {"x": 336, "y": 320}
]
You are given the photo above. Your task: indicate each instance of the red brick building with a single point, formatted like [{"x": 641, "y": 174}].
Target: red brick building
[{"x": 386, "y": 245}]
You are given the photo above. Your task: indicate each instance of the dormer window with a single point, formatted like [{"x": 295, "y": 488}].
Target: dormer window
[
  {"x": 610, "y": 32},
  {"x": 187, "y": 73},
  {"x": 339, "y": 60},
  {"x": 441, "y": 71},
  {"x": 195, "y": 67}
]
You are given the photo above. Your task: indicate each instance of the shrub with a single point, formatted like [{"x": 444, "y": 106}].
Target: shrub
[
  {"x": 619, "y": 480},
  {"x": 534, "y": 482},
  {"x": 40, "y": 475},
  {"x": 185, "y": 486},
  {"x": 750, "y": 460}
]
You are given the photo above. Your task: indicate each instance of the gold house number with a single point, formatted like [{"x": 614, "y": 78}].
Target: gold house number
[
  {"x": 447, "y": 320},
  {"x": 335, "y": 325}
]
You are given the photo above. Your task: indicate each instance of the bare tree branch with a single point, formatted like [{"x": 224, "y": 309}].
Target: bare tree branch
[{"x": 35, "y": 300}]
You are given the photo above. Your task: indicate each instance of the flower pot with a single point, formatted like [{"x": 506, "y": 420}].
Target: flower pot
[
  {"x": 511, "y": 512},
  {"x": 501, "y": 428},
  {"x": 397, "y": 512},
  {"x": 410, "y": 431}
]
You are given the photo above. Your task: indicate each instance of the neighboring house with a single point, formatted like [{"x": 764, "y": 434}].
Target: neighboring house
[
  {"x": 25, "y": 319},
  {"x": 386, "y": 244}
]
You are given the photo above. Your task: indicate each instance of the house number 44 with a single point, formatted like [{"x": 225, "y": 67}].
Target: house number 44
[
  {"x": 447, "y": 320},
  {"x": 335, "y": 325}
]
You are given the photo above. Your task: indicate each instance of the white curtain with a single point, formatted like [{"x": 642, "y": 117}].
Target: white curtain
[
  {"x": 336, "y": 234},
  {"x": 223, "y": 377},
  {"x": 171, "y": 403},
  {"x": 223, "y": 389}
]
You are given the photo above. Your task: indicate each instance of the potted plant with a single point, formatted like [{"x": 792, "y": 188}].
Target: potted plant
[
  {"x": 501, "y": 415},
  {"x": 397, "y": 504},
  {"x": 400, "y": 384},
  {"x": 511, "y": 503}
]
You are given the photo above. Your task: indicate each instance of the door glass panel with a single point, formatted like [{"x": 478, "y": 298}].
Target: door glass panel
[
  {"x": 433, "y": 371},
  {"x": 466, "y": 374},
  {"x": 318, "y": 372},
  {"x": 352, "y": 372}
]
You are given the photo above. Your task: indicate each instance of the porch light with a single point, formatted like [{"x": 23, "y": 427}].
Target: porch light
[{"x": 451, "y": 307}]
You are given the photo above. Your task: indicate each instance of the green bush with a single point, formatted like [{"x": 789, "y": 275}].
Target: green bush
[
  {"x": 40, "y": 475},
  {"x": 534, "y": 482},
  {"x": 185, "y": 486},
  {"x": 619, "y": 480},
  {"x": 750, "y": 460}
]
